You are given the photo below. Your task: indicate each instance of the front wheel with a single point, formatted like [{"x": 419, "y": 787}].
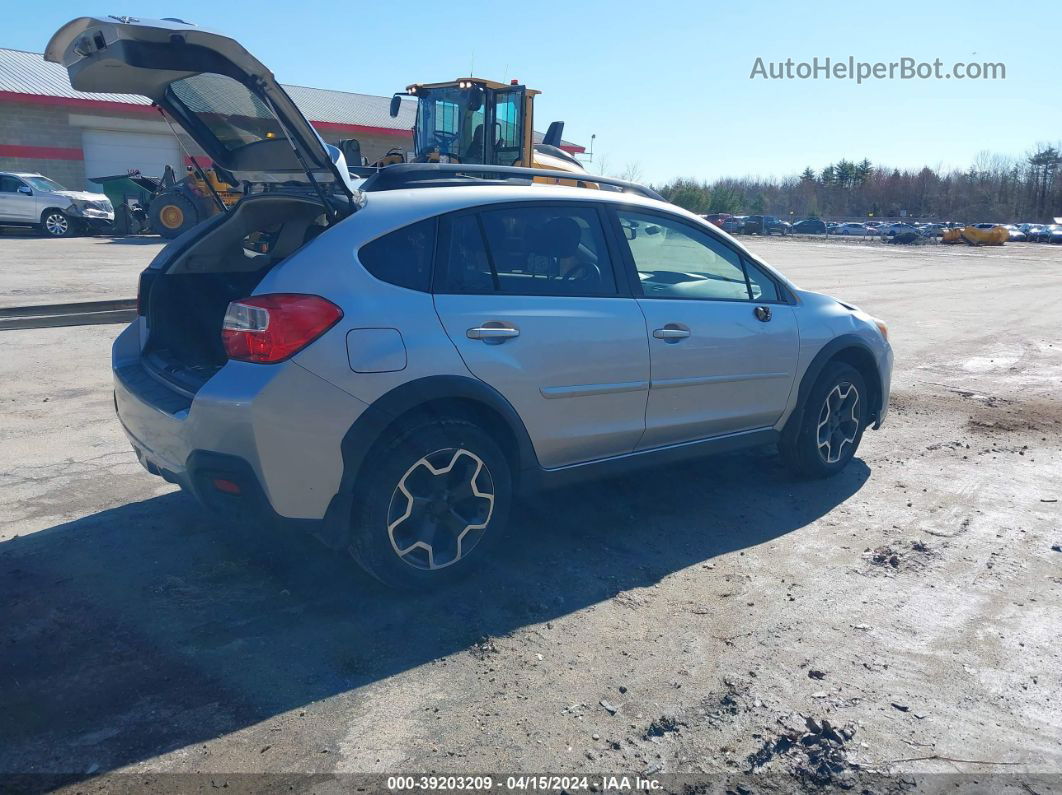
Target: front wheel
[
  {"x": 172, "y": 214},
  {"x": 434, "y": 499},
  {"x": 825, "y": 436},
  {"x": 56, "y": 223}
]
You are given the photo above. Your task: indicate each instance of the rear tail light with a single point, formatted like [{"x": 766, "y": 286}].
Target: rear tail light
[
  {"x": 227, "y": 486},
  {"x": 270, "y": 328}
]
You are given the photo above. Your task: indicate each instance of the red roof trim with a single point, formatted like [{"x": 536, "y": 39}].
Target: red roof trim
[
  {"x": 41, "y": 152},
  {"x": 573, "y": 149}
]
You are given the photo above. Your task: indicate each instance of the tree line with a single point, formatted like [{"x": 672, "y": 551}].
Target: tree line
[{"x": 995, "y": 188}]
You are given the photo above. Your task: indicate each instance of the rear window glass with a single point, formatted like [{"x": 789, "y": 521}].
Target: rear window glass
[
  {"x": 227, "y": 108},
  {"x": 402, "y": 257}
]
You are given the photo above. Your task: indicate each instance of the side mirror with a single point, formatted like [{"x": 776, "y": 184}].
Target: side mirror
[
  {"x": 25, "y": 190},
  {"x": 396, "y": 105}
]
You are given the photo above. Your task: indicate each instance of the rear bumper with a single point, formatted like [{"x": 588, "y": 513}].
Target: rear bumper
[{"x": 275, "y": 428}]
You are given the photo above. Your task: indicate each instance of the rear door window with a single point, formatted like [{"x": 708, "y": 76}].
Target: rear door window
[{"x": 528, "y": 250}]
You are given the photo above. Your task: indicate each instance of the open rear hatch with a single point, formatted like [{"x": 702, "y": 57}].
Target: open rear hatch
[
  {"x": 234, "y": 109},
  {"x": 222, "y": 96}
]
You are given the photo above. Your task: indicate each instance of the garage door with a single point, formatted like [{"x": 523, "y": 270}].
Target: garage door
[{"x": 109, "y": 152}]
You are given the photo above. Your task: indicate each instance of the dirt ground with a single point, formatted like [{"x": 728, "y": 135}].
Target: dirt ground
[{"x": 709, "y": 626}]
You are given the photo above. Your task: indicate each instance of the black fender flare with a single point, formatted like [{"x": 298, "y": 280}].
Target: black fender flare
[
  {"x": 385, "y": 410},
  {"x": 828, "y": 352}
]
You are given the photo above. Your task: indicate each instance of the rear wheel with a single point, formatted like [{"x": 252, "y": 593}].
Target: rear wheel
[
  {"x": 825, "y": 437},
  {"x": 56, "y": 223},
  {"x": 434, "y": 499},
  {"x": 172, "y": 214}
]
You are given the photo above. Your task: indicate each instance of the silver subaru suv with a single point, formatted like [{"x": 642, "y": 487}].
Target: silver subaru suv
[{"x": 387, "y": 362}]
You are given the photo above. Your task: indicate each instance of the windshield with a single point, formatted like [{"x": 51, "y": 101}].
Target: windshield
[
  {"x": 227, "y": 108},
  {"x": 453, "y": 125},
  {"x": 43, "y": 183}
]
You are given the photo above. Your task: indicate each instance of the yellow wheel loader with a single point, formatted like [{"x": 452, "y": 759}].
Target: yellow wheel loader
[
  {"x": 180, "y": 204},
  {"x": 476, "y": 121}
]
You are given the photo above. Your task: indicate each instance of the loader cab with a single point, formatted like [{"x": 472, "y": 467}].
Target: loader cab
[{"x": 472, "y": 120}]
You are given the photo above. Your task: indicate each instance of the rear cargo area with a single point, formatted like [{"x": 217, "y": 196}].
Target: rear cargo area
[{"x": 188, "y": 296}]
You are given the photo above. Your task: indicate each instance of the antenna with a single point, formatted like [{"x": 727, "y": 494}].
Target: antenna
[{"x": 472, "y": 65}]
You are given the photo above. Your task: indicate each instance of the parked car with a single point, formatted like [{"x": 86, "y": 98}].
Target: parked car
[
  {"x": 1016, "y": 235},
  {"x": 850, "y": 228},
  {"x": 735, "y": 224},
  {"x": 717, "y": 218},
  {"x": 810, "y": 226},
  {"x": 390, "y": 367},
  {"x": 34, "y": 200},
  {"x": 1052, "y": 233},
  {"x": 766, "y": 225},
  {"x": 892, "y": 230}
]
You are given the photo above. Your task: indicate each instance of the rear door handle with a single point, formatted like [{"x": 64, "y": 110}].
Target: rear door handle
[
  {"x": 494, "y": 334},
  {"x": 671, "y": 333}
]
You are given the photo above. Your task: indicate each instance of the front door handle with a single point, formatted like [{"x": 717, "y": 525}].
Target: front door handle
[
  {"x": 494, "y": 334},
  {"x": 763, "y": 313},
  {"x": 671, "y": 333}
]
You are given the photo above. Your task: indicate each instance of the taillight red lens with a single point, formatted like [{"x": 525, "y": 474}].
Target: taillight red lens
[{"x": 270, "y": 328}]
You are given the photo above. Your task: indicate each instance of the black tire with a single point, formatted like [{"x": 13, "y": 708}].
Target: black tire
[
  {"x": 56, "y": 223},
  {"x": 391, "y": 548},
  {"x": 172, "y": 214},
  {"x": 802, "y": 443}
]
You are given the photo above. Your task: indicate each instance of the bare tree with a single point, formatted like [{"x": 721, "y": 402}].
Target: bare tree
[
  {"x": 600, "y": 167},
  {"x": 632, "y": 172}
]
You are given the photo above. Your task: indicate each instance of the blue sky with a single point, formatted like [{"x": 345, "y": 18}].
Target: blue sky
[{"x": 666, "y": 85}]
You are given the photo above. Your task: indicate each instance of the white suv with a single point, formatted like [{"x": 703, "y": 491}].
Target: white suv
[{"x": 34, "y": 200}]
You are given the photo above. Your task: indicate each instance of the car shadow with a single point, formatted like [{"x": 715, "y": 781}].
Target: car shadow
[
  {"x": 145, "y": 628},
  {"x": 19, "y": 232},
  {"x": 138, "y": 240}
]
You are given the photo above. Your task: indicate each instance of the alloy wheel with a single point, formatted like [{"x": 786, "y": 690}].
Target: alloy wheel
[
  {"x": 56, "y": 224},
  {"x": 440, "y": 509},
  {"x": 838, "y": 422}
]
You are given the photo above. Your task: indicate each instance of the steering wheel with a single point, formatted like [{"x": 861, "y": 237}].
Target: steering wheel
[
  {"x": 443, "y": 138},
  {"x": 584, "y": 272}
]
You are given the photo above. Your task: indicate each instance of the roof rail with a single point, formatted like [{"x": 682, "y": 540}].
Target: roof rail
[{"x": 426, "y": 175}]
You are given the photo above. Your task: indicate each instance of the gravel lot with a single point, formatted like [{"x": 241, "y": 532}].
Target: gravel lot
[
  {"x": 717, "y": 619},
  {"x": 39, "y": 270}
]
